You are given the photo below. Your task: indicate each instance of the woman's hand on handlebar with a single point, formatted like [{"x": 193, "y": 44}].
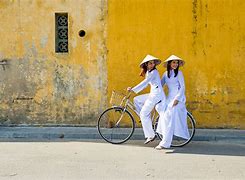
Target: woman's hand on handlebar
[{"x": 129, "y": 89}]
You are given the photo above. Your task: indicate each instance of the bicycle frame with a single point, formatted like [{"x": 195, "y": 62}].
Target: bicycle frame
[{"x": 130, "y": 105}]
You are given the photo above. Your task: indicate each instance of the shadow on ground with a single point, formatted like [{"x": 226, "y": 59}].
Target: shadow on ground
[{"x": 222, "y": 148}]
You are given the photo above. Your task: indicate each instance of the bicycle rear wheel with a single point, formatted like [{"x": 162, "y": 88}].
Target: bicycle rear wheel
[
  {"x": 178, "y": 141},
  {"x": 115, "y": 125}
]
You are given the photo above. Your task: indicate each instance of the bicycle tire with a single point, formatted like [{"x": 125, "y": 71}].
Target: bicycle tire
[{"x": 125, "y": 128}]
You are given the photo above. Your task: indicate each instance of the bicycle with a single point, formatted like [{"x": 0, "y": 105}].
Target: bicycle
[{"x": 116, "y": 124}]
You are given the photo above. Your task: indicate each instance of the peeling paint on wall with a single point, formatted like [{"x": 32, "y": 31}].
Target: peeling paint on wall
[{"x": 39, "y": 86}]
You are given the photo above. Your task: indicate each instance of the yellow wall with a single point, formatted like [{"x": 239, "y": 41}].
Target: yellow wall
[
  {"x": 208, "y": 34},
  {"x": 40, "y": 86}
]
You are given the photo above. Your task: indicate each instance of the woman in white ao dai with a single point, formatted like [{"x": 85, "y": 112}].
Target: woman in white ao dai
[{"x": 174, "y": 120}]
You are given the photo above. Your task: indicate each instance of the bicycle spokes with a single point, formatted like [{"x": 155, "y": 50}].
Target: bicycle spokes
[{"x": 121, "y": 125}]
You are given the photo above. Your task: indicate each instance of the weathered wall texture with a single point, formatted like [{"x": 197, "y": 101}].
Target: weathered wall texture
[
  {"x": 208, "y": 34},
  {"x": 40, "y": 86}
]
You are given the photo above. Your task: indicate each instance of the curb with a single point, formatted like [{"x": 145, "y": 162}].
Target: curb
[{"x": 79, "y": 133}]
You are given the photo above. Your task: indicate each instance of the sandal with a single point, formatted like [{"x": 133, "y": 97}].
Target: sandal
[{"x": 149, "y": 140}]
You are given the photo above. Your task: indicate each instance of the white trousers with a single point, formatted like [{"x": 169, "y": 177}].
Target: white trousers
[{"x": 144, "y": 105}]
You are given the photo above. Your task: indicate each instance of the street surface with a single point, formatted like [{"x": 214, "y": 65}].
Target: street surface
[{"x": 99, "y": 160}]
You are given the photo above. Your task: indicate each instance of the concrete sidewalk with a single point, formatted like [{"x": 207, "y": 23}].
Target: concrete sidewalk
[{"x": 79, "y": 133}]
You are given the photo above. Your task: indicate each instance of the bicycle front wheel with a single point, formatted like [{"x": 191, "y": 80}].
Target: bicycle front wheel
[{"x": 116, "y": 125}]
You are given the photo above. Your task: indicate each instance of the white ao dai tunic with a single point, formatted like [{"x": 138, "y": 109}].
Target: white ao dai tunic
[{"x": 173, "y": 121}]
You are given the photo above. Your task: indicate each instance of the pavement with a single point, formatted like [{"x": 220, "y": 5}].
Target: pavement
[
  {"x": 95, "y": 159},
  {"x": 80, "y": 133}
]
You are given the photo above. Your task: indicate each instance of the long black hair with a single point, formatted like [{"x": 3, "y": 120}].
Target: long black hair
[{"x": 175, "y": 70}]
